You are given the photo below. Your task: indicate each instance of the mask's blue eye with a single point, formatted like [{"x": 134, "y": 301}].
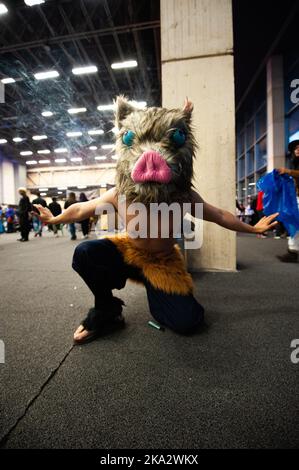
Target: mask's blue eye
[
  {"x": 179, "y": 137},
  {"x": 128, "y": 138}
]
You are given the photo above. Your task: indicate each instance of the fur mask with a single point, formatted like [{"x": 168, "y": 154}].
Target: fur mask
[{"x": 156, "y": 148}]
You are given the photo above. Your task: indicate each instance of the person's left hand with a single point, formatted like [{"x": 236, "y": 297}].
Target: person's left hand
[
  {"x": 283, "y": 171},
  {"x": 266, "y": 223}
]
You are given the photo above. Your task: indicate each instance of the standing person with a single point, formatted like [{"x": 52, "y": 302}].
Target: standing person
[
  {"x": 2, "y": 230},
  {"x": 39, "y": 226},
  {"x": 10, "y": 217},
  {"x": 293, "y": 243},
  {"x": 71, "y": 200},
  {"x": 84, "y": 223},
  {"x": 24, "y": 211},
  {"x": 55, "y": 208}
]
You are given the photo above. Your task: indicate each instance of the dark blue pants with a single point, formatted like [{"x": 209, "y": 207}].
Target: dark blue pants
[{"x": 103, "y": 268}]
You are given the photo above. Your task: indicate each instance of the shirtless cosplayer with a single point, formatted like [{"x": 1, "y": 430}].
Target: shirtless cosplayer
[{"x": 156, "y": 148}]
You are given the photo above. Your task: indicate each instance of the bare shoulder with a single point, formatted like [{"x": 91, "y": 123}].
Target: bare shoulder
[{"x": 195, "y": 197}]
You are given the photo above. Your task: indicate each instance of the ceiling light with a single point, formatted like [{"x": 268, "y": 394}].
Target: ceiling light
[
  {"x": 93, "y": 147},
  {"x": 139, "y": 104},
  {"x": 45, "y": 75},
  {"x": 114, "y": 157},
  {"x": 46, "y": 151},
  {"x": 39, "y": 137},
  {"x": 96, "y": 132},
  {"x": 83, "y": 70},
  {"x": 124, "y": 65},
  {"x": 106, "y": 107},
  {"x": 76, "y": 110},
  {"x": 18, "y": 139},
  {"x": 60, "y": 160},
  {"x": 43, "y": 194},
  {"x": 76, "y": 159},
  {"x": 25, "y": 153},
  {"x": 31, "y": 3},
  {"x": 3, "y": 141},
  {"x": 61, "y": 150},
  {"x": 74, "y": 134},
  {"x": 3, "y": 9},
  {"x": 47, "y": 113},
  {"x": 108, "y": 146},
  {"x": 59, "y": 192},
  {"x": 31, "y": 162},
  {"x": 43, "y": 189},
  {"x": 8, "y": 80},
  {"x": 100, "y": 157},
  {"x": 44, "y": 161}
]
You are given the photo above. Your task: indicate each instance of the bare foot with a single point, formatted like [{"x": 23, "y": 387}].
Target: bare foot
[{"x": 81, "y": 334}]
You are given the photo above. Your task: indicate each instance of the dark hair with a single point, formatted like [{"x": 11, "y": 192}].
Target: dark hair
[
  {"x": 72, "y": 196},
  {"x": 295, "y": 163},
  {"x": 54, "y": 199},
  {"x": 83, "y": 197}
]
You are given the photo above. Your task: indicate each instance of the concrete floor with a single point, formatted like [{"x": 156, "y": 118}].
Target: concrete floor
[{"x": 231, "y": 385}]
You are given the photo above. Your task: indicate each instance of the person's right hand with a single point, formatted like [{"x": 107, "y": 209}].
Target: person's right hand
[{"x": 45, "y": 215}]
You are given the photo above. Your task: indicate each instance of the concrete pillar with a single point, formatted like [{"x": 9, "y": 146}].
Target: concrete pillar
[
  {"x": 275, "y": 113},
  {"x": 197, "y": 61},
  {"x": 8, "y": 183}
]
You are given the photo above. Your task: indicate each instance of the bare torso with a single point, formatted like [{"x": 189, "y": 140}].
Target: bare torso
[{"x": 154, "y": 233}]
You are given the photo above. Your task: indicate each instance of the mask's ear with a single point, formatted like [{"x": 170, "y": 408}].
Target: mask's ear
[
  {"x": 123, "y": 109},
  {"x": 188, "y": 108}
]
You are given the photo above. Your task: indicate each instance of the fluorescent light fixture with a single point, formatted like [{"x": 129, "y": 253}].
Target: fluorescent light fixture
[
  {"x": 100, "y": 157},
  {"x": 3, "y": 141},
  {"x": 96, "y": 132},
  {"x": 3, "y": 9},
  {"x": 59, "y": 192},
  {"x": 93, "y": 147},
  {"x": 43, "y": 194},
  {"x": 251, "y": 184},
  {"x": 44, "y": 161},
  {"x": 8, "y": 80},
  {"x": 106, "y": 107},
  {"x": 47, "y": 113},
  {"x": 60, "y": 160},
  {"x": 43, "y": 189},
  {"x": 114, "y": 157},
  {"x": 61, "y": 150},
  {"x": 32, "y": 3},
  {"x": 18, "y": 139},
  {"x": 81, "y": 187},
  {"x": 26, "y": 152},
  {"x": 31, "y": 162},
  {"x": 76, "y": 159},
  {"x": 62, "y": 188},
  {"x": 74, "y": 134},
  {"x": 45, "y": 75},
  {"x": 39, "y": 137},
  {"x": 44, "y": 152},
  {"x": 124, "y": 65},
  {"x": 84, "y": 70},
  {"x": 76, "y": 110},
  {"x": 139, "y": 104},
  {"x": 108, "y": 146}
]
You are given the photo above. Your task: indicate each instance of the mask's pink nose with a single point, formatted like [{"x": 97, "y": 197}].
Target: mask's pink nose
[{"x": 151, "y": 166}]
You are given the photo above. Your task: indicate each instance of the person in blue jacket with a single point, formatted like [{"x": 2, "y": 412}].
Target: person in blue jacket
[{"x": 293, "y": 243}]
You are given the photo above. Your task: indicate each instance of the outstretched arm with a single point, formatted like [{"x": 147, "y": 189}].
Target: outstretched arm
[
  {"x": 227, "y": 220},
  {"x": 78, "y": 211}
]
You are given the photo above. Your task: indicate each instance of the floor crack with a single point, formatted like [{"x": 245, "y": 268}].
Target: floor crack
[{"x": 5, "y": 438}]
